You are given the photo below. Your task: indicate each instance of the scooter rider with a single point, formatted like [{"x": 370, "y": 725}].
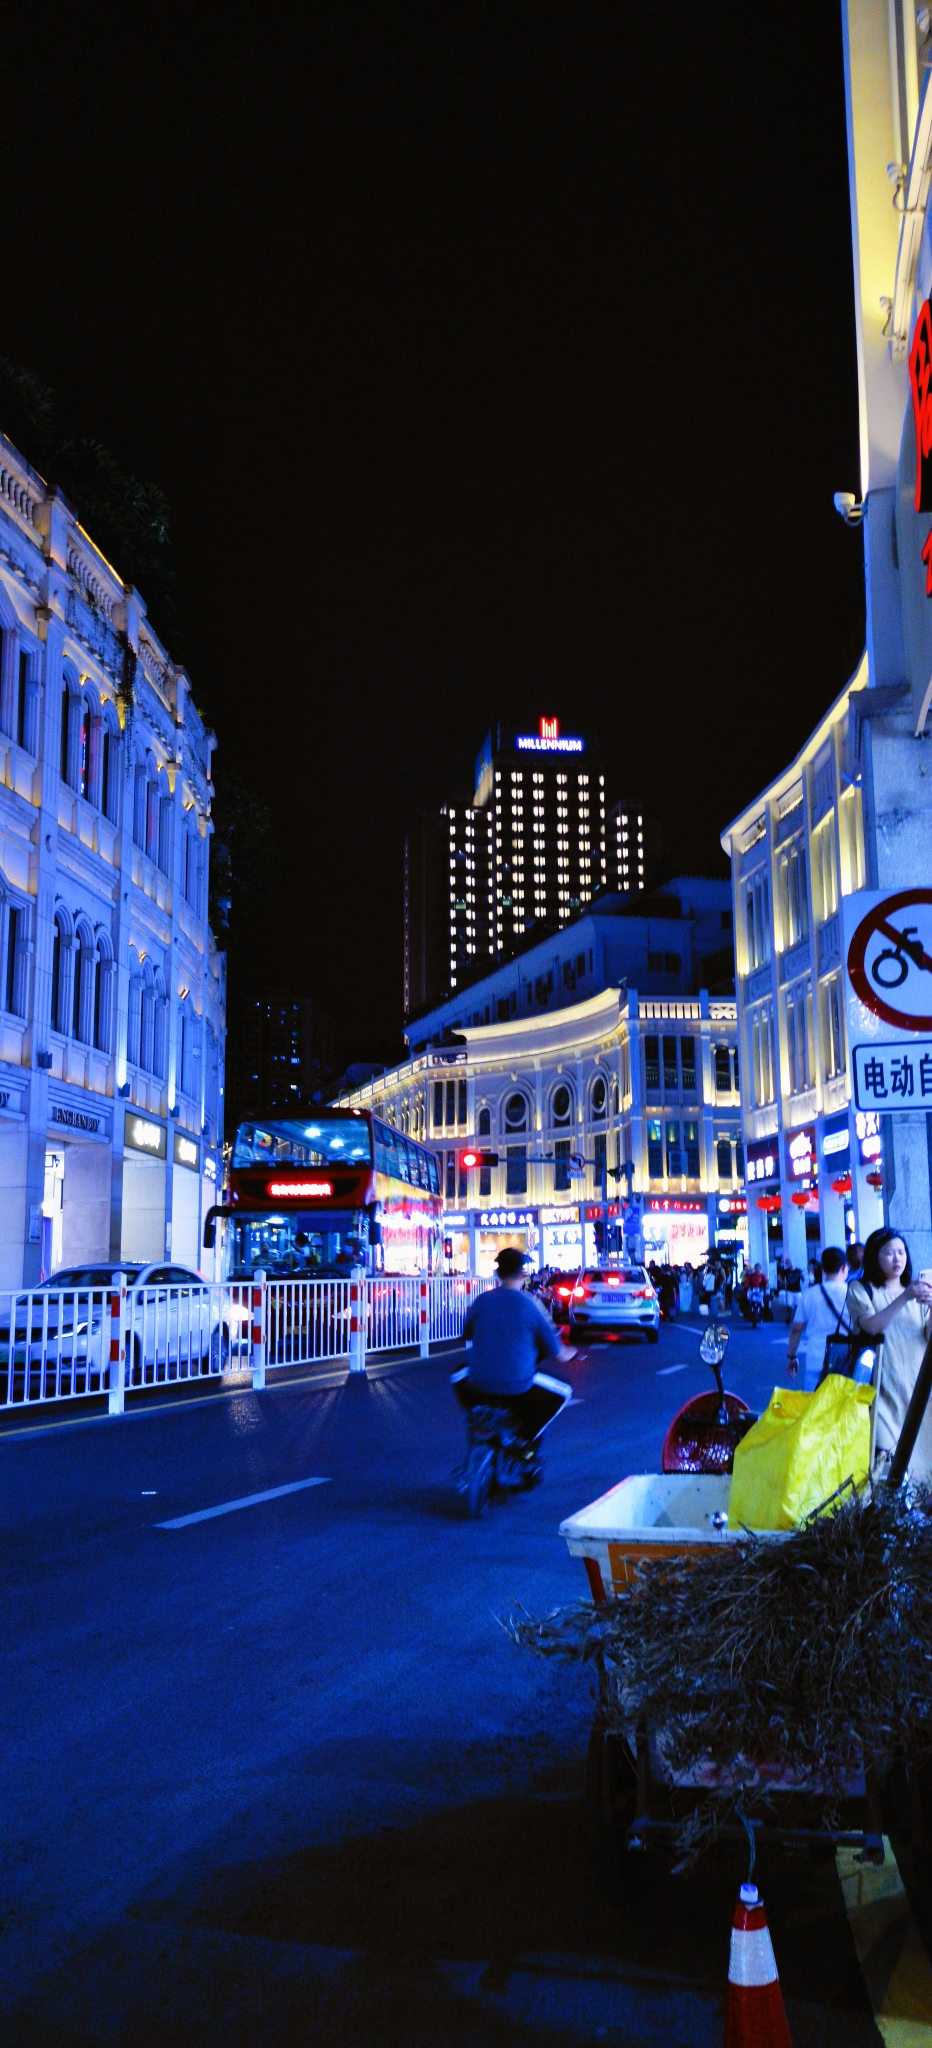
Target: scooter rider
[{"x": 510, "y": 1336}]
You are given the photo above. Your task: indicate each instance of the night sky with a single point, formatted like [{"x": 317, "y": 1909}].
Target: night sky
[{"x": 495, "y": 360}]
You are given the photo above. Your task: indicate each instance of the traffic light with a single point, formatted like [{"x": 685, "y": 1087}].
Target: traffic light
[{"x": 472, "y": 1158}]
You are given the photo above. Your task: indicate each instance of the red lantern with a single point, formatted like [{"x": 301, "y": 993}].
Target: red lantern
[
  {"x": 800, "y": 1198},
  {"x": 842, "y": 1185},
  {"x": 874, "y": 1180}
]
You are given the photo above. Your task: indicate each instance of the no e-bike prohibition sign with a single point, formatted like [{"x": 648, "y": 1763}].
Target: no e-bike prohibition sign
[{"x": 890, "y": 960}]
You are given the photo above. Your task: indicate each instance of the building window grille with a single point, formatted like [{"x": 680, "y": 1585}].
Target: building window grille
[
  {"x": 757, "y": 920},
  {"x": 451, "y": 1103},
  {"x": 723, "y": 1158},
  {"x": 12, "y": 997},
  {"x": 652, "y": 1061},
  {"x": 600, "y": 1151},
  {"x": 691, "y": 1148},
  {"x": 516, "y": 1170},
  {"x": 485, "y": 1182},
  {"x": 599, "y": 1097},
  {"x": 461, "y": 1102},
  {"x": 451, "y": 1177},
  {"x": 669, "y": 1066},
  {"x": 675, "y": 1162},
  {"x": 561, "y": 1165},
  {"x": 792, "y": 883},
  {"x": 688, "y": 1064},
  {"x": 485, "y": 1123},
  {"x": 438, "y": 1105},
  {"x": 722, "y": 1070},
  {"x": 654, "y": 1149},
  {"x": 833, "y": 1028},
  {"x": 762, "y": 1075}
]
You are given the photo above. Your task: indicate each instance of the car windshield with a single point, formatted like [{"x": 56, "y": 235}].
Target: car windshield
[
  {"x": 90, "y": 1276},
  {"x": 331, "y": 1141}
]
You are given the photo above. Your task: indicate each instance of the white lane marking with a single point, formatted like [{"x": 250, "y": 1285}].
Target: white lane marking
[
  {"x": 249, "y": 1500},
  {"x": 665, "y": 1370}
]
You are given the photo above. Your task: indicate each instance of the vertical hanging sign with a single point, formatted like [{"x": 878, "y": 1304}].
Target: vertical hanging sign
[{"x": 920, "y": 378}]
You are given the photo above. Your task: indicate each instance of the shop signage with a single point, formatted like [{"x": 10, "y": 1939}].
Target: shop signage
[
  {"x": 671, "y": 1205},
  {"x": 210, "y": 1168},
  {"x": 185, "y": 1151},
  {"x": 894, "y": 1075},
  {"x": 835, "y": 1141},
  {"x": 448, "y": 1059},
  {"x": 73, "y": 1119},
  {"x": 801, "y": 1153},
  {"x": 559, "y": 1215},
  {"x": 890, "y": 959},
  {"x": 142, "y": 1136},
  {"x": 455, "y": 1222},
  {"x": 870, "y": 1142},
  {"x": 732, "y": 1205},
  {"x": 594, "y": 1212},
  {"x": 505, "y": 1219},
  {"x": 547, "y": 740},
  {"x": 763, "y": 1162},
  {"x": 920, "y": 377}
]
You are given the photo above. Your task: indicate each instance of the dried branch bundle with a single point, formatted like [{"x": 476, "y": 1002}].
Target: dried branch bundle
[{"x": 813, "y": 1655}]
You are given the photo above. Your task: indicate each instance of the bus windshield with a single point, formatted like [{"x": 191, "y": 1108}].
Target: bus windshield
[{"x": 334, "y": 1141}]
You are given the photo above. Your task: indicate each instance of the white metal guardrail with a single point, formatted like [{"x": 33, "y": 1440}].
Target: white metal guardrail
[{"x": 64, "y": 1344}]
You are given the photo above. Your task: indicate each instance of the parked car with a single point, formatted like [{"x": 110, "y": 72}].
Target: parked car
[
  {"x": 614, "y": 1300},
  {"x": 177, "y": 1326}
]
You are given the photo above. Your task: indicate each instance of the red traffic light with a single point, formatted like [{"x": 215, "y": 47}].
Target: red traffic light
[{"x": 471, "y": 1158}]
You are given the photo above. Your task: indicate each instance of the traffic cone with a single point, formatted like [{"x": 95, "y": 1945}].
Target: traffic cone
[{"x": 754, "y": 2012}]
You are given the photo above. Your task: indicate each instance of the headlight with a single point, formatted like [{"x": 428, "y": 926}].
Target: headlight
[{"x": 237, "y": 1314}]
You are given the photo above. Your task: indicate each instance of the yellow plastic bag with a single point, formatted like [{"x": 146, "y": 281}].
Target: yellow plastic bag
[{"x": 799, "y": 1451}]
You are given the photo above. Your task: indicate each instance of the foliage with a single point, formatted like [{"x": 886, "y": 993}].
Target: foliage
[
  {"x": 127, "y": 520},
  {"x": 812, "y": 1654},
  {"x": 245, "y": 860}
]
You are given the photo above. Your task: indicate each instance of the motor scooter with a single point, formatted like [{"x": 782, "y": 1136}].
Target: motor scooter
[{"x": 703, "y": 1435}]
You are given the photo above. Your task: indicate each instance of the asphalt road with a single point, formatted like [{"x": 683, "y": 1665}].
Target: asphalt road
[{"x": 278, "y": 1775}]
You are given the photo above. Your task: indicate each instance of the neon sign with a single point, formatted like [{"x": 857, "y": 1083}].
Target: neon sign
[
  {"x": 547, "y": 740},
  {"x": 300, "y": 1187}
]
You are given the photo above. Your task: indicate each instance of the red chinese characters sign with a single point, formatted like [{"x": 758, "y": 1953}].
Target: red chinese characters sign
[{"x": 920, "y": 378}]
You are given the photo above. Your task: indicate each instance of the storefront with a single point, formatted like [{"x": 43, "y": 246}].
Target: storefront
[
  {"x": 496, "y": 1228},
  {"x": 561, "y": 1239},
  {"x": 676, "y": 1230},
  {"x": 144, "y": 1175},
  {"x": 457, "y": 1244},
  {"x": 731, "y": 1230},
  {"x": 74, "y": 1226}
]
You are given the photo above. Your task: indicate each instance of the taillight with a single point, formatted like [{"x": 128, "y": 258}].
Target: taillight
[
  {"x": 564, "y": 1293},
  {"x": 613, "y": 1280},
  {"x": 582, "y": 1293},
  {"x": 644, "y": 1294}
]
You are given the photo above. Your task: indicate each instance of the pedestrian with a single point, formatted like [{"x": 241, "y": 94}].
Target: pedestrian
[
  {"x": 820, "y": 1313},
  {"x": 855, "y": 1261},
  {"x": 887, "y": 1302},
  {"x": 686, "y": 1289},
  {"x": 706, "y": 1288},
  {"x": 754, "y": 1295}
]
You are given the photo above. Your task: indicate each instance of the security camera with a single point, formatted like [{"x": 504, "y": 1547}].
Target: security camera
[{"x": 847, "y": 505}]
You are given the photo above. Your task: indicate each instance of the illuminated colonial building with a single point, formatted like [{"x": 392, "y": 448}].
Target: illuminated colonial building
[
  {"x": 644, "y": 1079},
  {"x": 532, "y": 846},
  {"x": 111, "y": 986}
]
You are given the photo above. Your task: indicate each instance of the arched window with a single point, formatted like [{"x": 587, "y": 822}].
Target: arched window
[
  {"x": 188, "y": 1049},
  {"x": 163, "y": 852},
  {"x": 598, "y": 1098},
  {"x": 75, "y": 729},
  {"x": 160, "y": 1044},
  {"x": 83, "y": 747},
  {"x": 516, "y": 1113},
  {"x": 484, "y": 1126},
  {"x": 140, "y": 804},
  {"x": 110, "y": 752},
  {"x": 103, "y": 993},
  {"x": 561, "y": 1105},
  {"x": 147, "y": 1021},
  {"x": 14, "y": 956},
  {"x": 65, "y": 729},
  {"x": 82, "y": 985},
  {"x": 134, "y": 1013},
  {"x": 61, "y": 973}
]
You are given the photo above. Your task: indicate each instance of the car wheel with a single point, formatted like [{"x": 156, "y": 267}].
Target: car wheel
[
  {"x": 653, "y": 1336},
  {"x": 218, "y": 1357}
]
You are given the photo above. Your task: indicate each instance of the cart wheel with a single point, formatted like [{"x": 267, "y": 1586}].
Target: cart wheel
[{"x": 611, "y": 1798}]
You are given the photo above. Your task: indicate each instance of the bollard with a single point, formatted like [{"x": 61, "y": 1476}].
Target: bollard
[
  {"x": 357, "y": 1328},
  {"x": 258, "y": 1300},
  {"x": 117, "y": 1375},
  {"x": 424, "y": 1324}
]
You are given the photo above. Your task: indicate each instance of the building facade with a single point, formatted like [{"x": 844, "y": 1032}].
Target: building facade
[
  {"x": 797, "y": 852},
  {"x": 647, "y": 1084},
  {"x": 112, "y": 1018},
  {"x": 532, "y": 846},
  {"x": 284, "y": 1052}
]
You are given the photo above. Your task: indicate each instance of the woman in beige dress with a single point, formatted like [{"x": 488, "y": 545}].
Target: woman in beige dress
[{"x": 887, "y": 1302}]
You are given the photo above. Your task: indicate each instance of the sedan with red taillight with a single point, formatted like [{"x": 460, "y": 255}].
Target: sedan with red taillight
[
  {"x": 556, "y": 1295},
  {"x": 613, "y": 1301}
]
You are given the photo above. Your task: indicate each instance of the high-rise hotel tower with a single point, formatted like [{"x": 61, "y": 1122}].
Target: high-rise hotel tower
[{"x": 532, "y": 845}]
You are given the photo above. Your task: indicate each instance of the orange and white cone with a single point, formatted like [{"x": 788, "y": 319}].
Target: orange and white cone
[{"x": 754, "y": 2011}]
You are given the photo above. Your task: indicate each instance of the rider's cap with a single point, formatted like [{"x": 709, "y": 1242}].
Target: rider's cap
[{"x": 510, "y": 1261}]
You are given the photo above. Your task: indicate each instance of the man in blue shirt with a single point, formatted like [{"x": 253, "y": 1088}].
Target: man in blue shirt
[{"x": 510, "y": 1336}]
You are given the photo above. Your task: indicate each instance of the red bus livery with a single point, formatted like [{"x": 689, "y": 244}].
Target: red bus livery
[{"x": 313, "y": 1196}]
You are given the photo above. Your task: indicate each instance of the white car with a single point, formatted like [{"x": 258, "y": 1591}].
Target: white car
[
  {"x": 177, "y": 1326},
  {"x": 613, "y": 1300}
]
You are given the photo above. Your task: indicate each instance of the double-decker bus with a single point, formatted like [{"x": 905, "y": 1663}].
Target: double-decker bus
[{"x": 315, "y": 1195}]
